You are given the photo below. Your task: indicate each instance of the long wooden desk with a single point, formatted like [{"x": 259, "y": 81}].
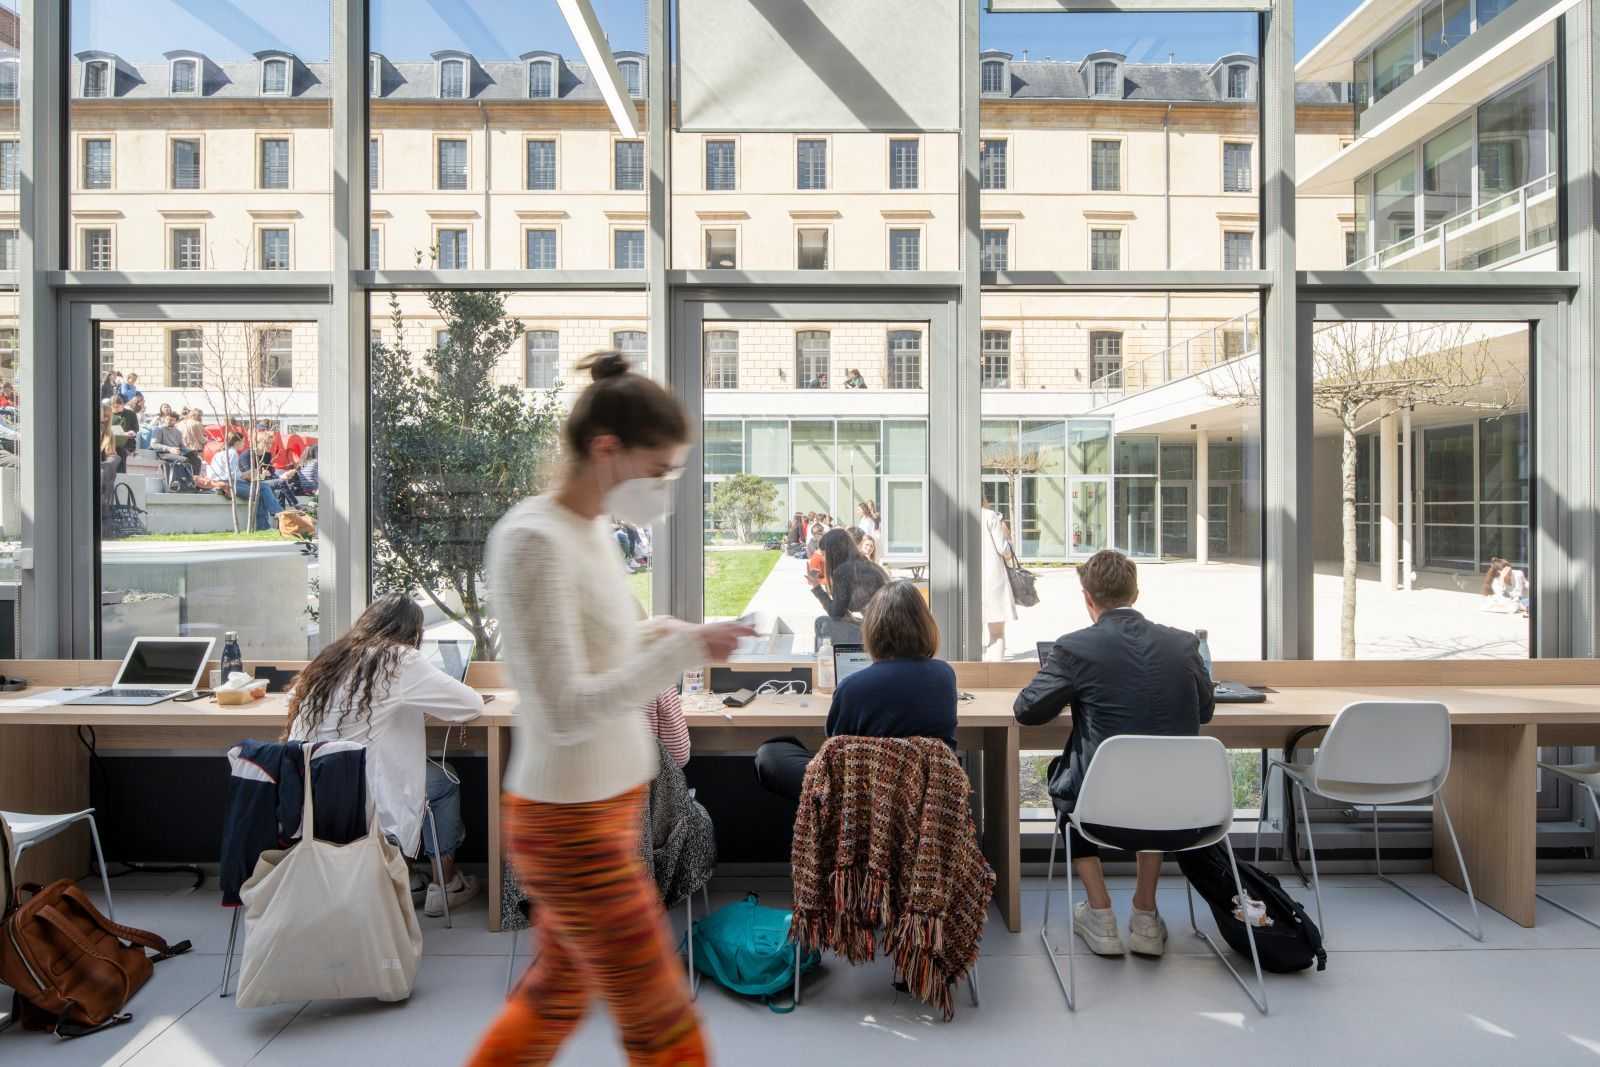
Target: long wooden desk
[{"x": 1500, "y": 713}]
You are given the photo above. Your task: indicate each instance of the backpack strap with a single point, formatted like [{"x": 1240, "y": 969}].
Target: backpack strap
[{"x": 131, "y": 934}]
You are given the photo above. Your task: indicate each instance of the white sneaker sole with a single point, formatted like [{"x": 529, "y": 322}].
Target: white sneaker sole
[
  {"x": 1100, "y": 944},
  {"x": 1144, "y": 945}
]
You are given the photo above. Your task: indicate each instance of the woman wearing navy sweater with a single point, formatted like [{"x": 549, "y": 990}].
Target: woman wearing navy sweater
[{"x": 905, "y": 693}]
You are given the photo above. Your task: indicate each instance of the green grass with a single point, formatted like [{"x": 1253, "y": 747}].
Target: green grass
[
  {"x": 247, "y": 535},
  {"x": 732, "y": 578},
  {"x": 640, "y": 585}
]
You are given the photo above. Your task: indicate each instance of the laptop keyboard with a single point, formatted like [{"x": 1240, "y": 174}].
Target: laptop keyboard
[{"x": 130, "y": 692}]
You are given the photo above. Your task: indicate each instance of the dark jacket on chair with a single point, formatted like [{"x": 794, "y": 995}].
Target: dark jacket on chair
[{"x": 1123, "y": 675}]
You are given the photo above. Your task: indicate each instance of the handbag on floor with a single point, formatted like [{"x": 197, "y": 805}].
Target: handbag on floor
[
  {"x": 329, "y": 922},
  {"x": 73, "y": 969},
  {"x": 1286, "y": 941},
  {"x": 746, "y": 948}
]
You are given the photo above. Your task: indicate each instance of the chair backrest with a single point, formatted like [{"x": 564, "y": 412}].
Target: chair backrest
[
  {"x": 1386, "y": 742},
  {"x": 1156, "y": 784}
]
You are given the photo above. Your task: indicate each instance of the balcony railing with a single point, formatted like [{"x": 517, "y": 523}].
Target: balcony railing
[
  {"x": 1503, "y": 229},
  {"x": 1234, "y": 339}
]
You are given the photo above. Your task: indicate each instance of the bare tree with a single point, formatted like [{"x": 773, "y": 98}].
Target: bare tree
[
  {"x": 233, "y": 378},
  {"x": 1013, "y": 462},
  {"x": 1364, "y": 371}
]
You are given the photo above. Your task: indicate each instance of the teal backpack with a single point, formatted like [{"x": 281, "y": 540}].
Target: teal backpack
[{"x": 746, "y": 948}]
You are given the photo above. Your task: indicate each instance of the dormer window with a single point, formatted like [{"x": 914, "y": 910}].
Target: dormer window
[
  {"x": 1238, "y": 82},
  {"x": 1105, "y": 79},
  {"x": 994, "y": 75},
  {"x": 632, "y": 72},
  {"x": 97, "y": 79},
  {"x": 275, "y": 77},
  {"x": 453, "y": 79},
  {"x": 185, "y": 77},
  {"x": 542, "y": 79}
]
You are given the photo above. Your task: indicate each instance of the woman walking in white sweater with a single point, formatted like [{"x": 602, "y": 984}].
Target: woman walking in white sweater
[{"x": 582, "y": 756}]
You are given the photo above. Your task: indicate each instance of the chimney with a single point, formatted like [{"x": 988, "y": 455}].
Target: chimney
[
  {"x": 1172, "y": 57},
  {"x": 1024, "y": 55}
]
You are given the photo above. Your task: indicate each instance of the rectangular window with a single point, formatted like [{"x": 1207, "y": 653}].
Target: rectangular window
[
  {"x": 627, "y": 249},
  {"x": 630, "y": 78},
  {"x": 455, "y": 252},
  {"x": 186, "y": 163},
  {"x": 992, "y": 164},
  {"x": 629, "y": 166},
  {"x": 10, "y": 154},
  {"x": 542, "y": 81},
  {"x": 374, "y": 249},
  {"x": 996, "y": 250},
  {"x": 1445, "y": 24},
  {"x": 453, "y": 80},
  {"x": 183, "y": 77},
  {"x": 1105, "y": 249},
  {"x": 722, "y": 249},
  {"x": 277, "y": 359},
  {"x": 541, "y": 250},
  {"x": 996, "y": 359},
  {"x": 8, "y": 249},
  {"x": 633, "y": 344},
  {"x": 541, "y": 165},
  {"x": 1352, "y": 247},
  {"x": 275, "y": 78},
  {"x": 96, "y": 249},
  {"x": 544, "y": 358},
  {"x": 811, "y": 358},
  {"x": 1105, "y": 355},
  {"x": 94, "y": 80},
  {"x": 1236, "y": 169},
  {"x": 372, "y": 163},
  {"x": 1394, "y": 61},
  {"x": 108, "y": 350},
  {"x": 1105, "y": 166},
  {"x": 1514, "y": 138},
  {"x": 721, "y": 170},
  {"x": 811, "y": 164},
  {"x": 185, "y": 368},
  {"x": 1238, "y": 250},
  {"x": 1238, "y": 82},
  {"x": 1447, "y": 174},
  {"x": 1105, "y": 79},
  {"x": 274, "y": 249},
  {"x": 905, "y": 359},
  {"x": 994, "y": 77},
  {"x": 186, "y": 250},
  {"x": 275, "y": 163},
  {"x": 97, "y": 163},
  {"x": 452, "y": 174},
  {"x": 722, "y": 359},
  {"x": 905, "y": 249},
  {"x": 904, "y": 164},
  {"x": 811, "y": 249}
]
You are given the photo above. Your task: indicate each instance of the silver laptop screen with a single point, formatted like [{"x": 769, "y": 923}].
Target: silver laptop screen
[
  {"x": 452, "y": 656},
  {"x": 848, "y": 660},
  {"x": 156, "y": 662}
]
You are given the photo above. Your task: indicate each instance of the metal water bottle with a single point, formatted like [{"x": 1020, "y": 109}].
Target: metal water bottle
[{"x": 232, "y": 659}]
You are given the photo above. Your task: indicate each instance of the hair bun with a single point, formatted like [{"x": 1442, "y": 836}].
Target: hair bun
[{"x": 607, "y": 364}]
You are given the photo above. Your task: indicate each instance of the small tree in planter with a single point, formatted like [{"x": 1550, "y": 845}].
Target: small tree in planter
[
  {"x": 451, "y": 453},
  {"x": 746, "y": 503}
]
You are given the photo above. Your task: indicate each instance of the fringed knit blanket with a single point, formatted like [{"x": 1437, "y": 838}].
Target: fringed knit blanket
[{"x": 884, "y": 841}]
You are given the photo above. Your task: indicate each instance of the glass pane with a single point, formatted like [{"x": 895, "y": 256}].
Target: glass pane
[
  {"x": 251, "y": 136},
  {"x": 207, "y": 468},
  {"x": 1386, "y": 590},
  {"x": 1394, "y": 61},
  {"x": 1447, "y": 175},
  {"x": 1445, "y": 24}
]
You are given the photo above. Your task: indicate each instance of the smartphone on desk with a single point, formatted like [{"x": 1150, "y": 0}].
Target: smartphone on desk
[
  {"x": 488, "y": 698},
  {"x": 739, "y": 698},
  {"x": 192, "y": 695}
]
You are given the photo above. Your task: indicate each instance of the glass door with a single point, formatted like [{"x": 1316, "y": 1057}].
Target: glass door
[
  {"x": 1177, "y": 522},
  {"x": 1091, "y": 506}
]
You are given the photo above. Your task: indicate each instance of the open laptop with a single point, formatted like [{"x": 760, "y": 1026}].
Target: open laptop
[
  {"x": 848, "y": 660},
  {"x": 155, "y": 669},
  {"x": 1225, "y": 692},
  {"x": 452, "y": 655}
]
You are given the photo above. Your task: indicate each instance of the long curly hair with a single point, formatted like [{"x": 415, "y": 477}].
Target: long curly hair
[{"x": 352, "y": 671}]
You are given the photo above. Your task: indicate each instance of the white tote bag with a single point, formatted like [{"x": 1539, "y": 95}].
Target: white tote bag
[{"x": 329, "y": 922}]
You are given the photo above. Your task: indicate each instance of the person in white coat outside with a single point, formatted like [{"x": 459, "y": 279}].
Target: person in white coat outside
[{"x": 999, "y": 607}]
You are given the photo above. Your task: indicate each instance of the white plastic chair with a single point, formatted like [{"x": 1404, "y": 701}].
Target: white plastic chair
[
  {"x": 1379, "y": 752},
  {"x": 1586, "y": 775},
  {"x": 1180, "y": 786},
  {"x": 27, "y": 830}
]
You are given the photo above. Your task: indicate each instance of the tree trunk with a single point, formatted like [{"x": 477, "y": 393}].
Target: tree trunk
[{"x": 1347, "y": 612}]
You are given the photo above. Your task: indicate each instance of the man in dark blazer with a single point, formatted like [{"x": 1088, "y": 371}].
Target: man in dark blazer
[{"x": 1122, "y": 675}]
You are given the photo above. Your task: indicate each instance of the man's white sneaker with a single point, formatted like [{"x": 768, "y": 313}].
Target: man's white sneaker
[
  {"x": 463, "y": 889},
  {"x": 1147, "y": 933},
  {"x": 1098, "y": 928}
]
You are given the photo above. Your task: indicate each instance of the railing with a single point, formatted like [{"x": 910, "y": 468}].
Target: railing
[
  {"x": 1234, "y": 339},
  {"x": 1509, "y": 226}
]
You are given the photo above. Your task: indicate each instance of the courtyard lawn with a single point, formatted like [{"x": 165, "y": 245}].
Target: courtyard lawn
[{"x": 732, "y": 578}]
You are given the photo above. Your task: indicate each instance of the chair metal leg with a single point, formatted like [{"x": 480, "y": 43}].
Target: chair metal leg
[
  {"x": 1258, "y": 996},
  {"x": 1068, "y": 985},
  {"x": 1476, "y": 935},
  {"x": 438, "y": 865},
  {"x": 511, "y": 964},
  {"x": 972, "y": 985},
  {"x": 100, "y": 860},
  {"x": 1261, "y": 816},
  {"x": 1311, "y": 851},
  {"x": 227, "y": 960},
  {"x": 688, "y": 959},
  {"x": 797, "y": 974},
  {"x": 1556, "y": 903}
]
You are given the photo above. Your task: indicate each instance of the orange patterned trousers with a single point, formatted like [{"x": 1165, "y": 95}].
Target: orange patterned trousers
[{"x": 601, "y": 930}]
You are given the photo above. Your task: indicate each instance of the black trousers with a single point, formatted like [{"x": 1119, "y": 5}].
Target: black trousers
[{"x": 781, "y": 767}]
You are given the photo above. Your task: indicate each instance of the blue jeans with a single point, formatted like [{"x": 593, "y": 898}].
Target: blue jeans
[
  {"x": 267, "y": 505},
  {"x": 444, "y": 798}
]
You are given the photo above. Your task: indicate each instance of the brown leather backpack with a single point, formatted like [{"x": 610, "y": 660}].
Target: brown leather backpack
[{"x": 68, "y": 964}]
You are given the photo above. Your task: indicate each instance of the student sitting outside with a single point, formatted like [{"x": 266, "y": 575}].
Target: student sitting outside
[
  {"x": 228, "y": 469},
  {"x": 1122, "y": 675},
  {"x": 905, "y": 693},
  {"x": 853, "y": 579},
  {"x": 168, "y": 441},
  {"x": 373, "y": 686}
]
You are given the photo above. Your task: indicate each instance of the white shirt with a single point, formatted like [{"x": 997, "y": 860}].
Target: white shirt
[
  {"x": 225, "y": 466},
  {"x": 581, "y": 657},
  {"x": 397, "y": 744}
]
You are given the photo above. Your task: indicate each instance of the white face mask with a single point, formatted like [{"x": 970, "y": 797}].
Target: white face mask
[{"x": 640, "y": 501}]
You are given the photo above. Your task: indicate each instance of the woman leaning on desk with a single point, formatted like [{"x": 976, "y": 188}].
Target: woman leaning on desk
[{"x": 582, "y": 755}]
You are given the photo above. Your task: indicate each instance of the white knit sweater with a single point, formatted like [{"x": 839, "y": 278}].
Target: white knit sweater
[{"x": 580, "y": 656}]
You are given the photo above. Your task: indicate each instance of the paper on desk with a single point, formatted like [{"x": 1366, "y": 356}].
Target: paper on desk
[{"x": 53, "y": 697}]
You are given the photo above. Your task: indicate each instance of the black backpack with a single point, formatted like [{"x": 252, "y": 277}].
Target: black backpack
[{"x": 1291, "y": 943}]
